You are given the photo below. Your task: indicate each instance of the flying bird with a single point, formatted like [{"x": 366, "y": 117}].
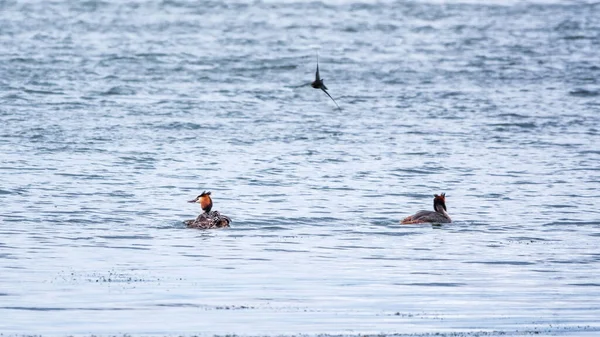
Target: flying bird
[{"x": 318, "y": 84}]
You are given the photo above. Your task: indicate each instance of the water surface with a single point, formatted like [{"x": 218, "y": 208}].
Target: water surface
[{"x": 114, "y": 113}]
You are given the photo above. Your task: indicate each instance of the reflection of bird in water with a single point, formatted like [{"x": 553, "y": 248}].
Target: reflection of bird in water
[{"x": 318, "y": 84}]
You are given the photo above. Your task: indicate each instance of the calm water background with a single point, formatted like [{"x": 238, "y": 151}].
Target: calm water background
[{"x": 114, "y": 113}]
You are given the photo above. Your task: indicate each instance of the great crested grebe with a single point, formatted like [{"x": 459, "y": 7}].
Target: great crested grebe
[
  {"x": 439, "y": 216},
  {"x": 207, "y": 219},
  {"x": 318, "y": 84}
]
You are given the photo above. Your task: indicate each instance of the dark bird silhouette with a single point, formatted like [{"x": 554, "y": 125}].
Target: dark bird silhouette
[{"x": 318, "y": 84}]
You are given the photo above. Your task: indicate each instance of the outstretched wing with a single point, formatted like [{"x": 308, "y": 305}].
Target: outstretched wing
[
  {"x": 317, "y": 77},
  {"x": 325, "y": 91}
]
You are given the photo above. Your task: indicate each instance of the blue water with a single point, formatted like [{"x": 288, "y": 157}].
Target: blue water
[{"x": 114, "y": 113}]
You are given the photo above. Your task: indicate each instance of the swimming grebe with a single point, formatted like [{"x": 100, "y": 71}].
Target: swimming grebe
[
  {"x": 439, "y": 216},
  {"x": 207, "y": 219},
  {"x": 318, "y": 84}
]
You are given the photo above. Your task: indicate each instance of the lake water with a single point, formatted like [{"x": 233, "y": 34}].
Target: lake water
[{"x": 114, "y": 113}]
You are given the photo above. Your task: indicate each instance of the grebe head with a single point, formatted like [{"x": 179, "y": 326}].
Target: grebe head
[
  {"x": 204, "y": 200},
  {"x": 439, "y": 201}
]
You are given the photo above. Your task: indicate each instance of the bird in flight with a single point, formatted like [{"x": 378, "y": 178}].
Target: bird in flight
[{"x": 318, "y": 84}]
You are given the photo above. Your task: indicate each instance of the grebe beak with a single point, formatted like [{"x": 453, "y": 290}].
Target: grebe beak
[{"x": 192, "y": 201}]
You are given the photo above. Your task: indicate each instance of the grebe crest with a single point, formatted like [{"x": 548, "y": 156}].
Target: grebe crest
[
  {"x": 439, "y": 201},
  {"x": 204, "y": 200}
]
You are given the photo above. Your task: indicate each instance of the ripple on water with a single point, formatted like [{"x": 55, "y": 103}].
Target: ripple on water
[{"x": 584, "y": 93}]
